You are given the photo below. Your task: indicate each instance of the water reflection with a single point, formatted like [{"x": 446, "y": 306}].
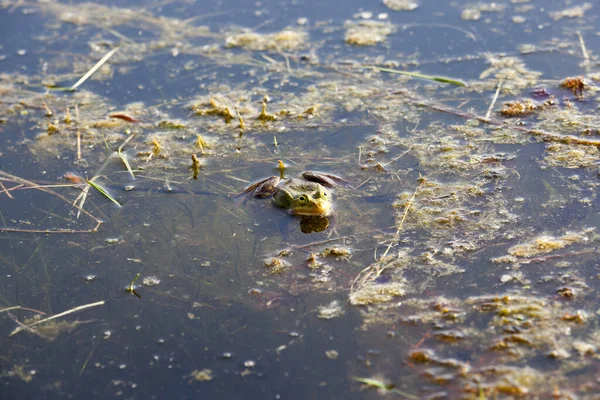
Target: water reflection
[{"x": 310, "y": 224}]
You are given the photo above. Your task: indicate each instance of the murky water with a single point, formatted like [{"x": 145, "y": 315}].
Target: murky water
[{"x": 460, "y": 261}]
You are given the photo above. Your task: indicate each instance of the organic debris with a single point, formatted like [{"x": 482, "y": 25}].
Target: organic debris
[
  {"x": 217, "y": 109},
  {"x": 203, "y": 375},
  {"x": 367, "y": 32},
  {"x": 545, "y": 244},
  {"x": 373, "y": 292},
  {"x": 518, "y": 109},
  {"x": 573, "y": 12},
  {"x": 401, "y": 5},
  {"x": 276, "y": 265},
  {"x": 576, "y": 85},
  {"x": 195, "y": 167},
  {"x": 285, "y": 40}
]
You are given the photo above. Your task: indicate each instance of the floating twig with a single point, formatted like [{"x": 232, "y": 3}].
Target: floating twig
[
  {"x": 376, "y": 269},
  {"x": 10, "y": 308},
  {"x": 62, "y": 314},
  {"x": 88, "y": 358},
  {"x": 78, "y": 132},
  {"x": 29, "y": 184},
  {"x": 544, "y": 135},
  {"x": 493, "y": 103},
  {"x": 586, "y": 55},
  {"x": 5, "y": 190}
]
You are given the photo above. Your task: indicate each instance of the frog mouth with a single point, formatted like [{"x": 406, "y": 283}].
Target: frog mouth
[{"x": 316, "y": 209}]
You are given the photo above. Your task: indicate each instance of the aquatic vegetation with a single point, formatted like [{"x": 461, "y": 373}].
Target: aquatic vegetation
[
  {"x": 401, "y": 5},
  {"x": 284, "y": 40},
  {"x": 203, "y": 375},
  {"x": 367, "y": 32}
]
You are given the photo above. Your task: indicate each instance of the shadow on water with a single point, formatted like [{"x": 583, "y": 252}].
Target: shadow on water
[{"x": 460, "y": 257}]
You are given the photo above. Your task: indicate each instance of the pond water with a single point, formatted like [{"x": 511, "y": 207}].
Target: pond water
[{"x": 460, "y": 256}]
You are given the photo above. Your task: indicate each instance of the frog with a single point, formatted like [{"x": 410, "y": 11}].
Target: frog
[{"x": 307, "y": 196}]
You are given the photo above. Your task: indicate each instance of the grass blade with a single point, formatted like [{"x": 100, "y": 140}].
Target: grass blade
[
  {"x": 103, "y": 191},
  {"x": 441, "y": 79},
  {"x": 94, "y": 69},
  {"x": 124, "y": 159}
]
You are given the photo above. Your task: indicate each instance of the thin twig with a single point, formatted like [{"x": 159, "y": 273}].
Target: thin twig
[
  {"x": 62, "y": 314},
  {"x": 544, "y": 135},
  {"x": 59, "y": 230},
  {"x": 10, "y": 308},
  {"x": 22, "y": 308},
  {"x": 83, "y": 196},
  {"x": 5, "y": 190},
  {"x": 15, "y": 178},
  {"x": 493, "y": 103},
  {"x": 364, "y": 182},
  {"x": 396, "y": 158},
  {"x": 78, "y": 132},
  {"x": 88, "y": 358},
  {"x": 367, "y": 272},
  {"x": 586, "y": 55},
  {"x": 406, "y": 209}
]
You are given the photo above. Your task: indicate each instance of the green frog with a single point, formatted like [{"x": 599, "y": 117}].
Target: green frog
[{"x": 308, "y": 196}]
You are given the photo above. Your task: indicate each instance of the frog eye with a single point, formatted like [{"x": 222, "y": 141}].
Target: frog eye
[{"x": 303, "y": 199}]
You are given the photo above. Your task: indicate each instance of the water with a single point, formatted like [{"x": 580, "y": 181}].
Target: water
[{"x": 486, "y": 286}]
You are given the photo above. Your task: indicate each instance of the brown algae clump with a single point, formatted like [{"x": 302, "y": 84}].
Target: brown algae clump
[
  {"x": 276, "y": 265},
  {"x": 518, "y": 109},
  {"x": 216, "y": 109},
  {"x": 576, "y": 85},
  {"x": 336, "y": 251},
  {"x": 284, "y": 40}
]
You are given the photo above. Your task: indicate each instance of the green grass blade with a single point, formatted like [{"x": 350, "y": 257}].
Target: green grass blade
[
  {"x": 124, "y": 159},
  {"x": 441, "y": 79},
  {"x": 135, "y": 278},
  {"x": 103, "y": 191}
]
